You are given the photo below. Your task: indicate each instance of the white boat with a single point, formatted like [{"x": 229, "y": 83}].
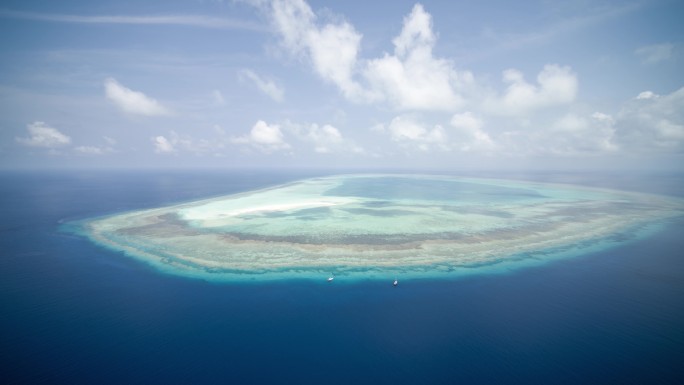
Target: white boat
[
  {"x": 395, "y": 283},
  {"x": 331, "y": 278}
]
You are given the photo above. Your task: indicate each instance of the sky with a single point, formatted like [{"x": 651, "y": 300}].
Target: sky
[{"x": 440, "y": 85}]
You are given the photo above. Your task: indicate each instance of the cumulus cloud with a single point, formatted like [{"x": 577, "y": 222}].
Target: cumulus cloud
[
  {"x": 466, "y": 121},
  {"x": 293, "y": 19},
  {"x": 264, "y": 134},
  {"x": 647, "y": 95},
  {"x": 378, "y": 127},
  {"x": 571, "y": 134},
  {"x": 656, "y": 53},
  {"x": 132, "y": 102},
  {"x": 217, "y": 96},
  {"x": 91, "y": 150},
  {"x": 646, "y": 124},
  {"x": 412, "y": 78},
  {"x": 42, "y": 135},
  {"x": 177, "y": 143},
  {"x": 326, "y": 139},
  {"x": 162, "y": 145},
  {"x": 409, "y": 132},
  {"x": 267, "y": 138},
  {"x": 469, "y": 133},
  {"x": 268, "y": 87},
  {"x": 332, "y": 49},
  {"x": 575, "y": 134},
  {"x": 652, "y": 123},
  {"x": 97, "y": 150},
  {"x": 556, "y": 85}
]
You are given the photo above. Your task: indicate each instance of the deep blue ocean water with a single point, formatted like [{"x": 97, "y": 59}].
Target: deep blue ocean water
[{"x": 75, "y": 313}]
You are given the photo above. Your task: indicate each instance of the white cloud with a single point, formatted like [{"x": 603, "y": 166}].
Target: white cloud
[
  {"x": 267, "y": 138},
  {"x": 332, "y": 49},
  {"x": 268, "y": 87},
  {"x": 469, "y": 133},
  {"x": 42, "y": 135},
  {"x": 556, "y": 85},
  {"x": 162, "y": 145},
  {"x": 647, "y": 95},
  {"x": 652, "y": 124},
  {"x": 603, "y": 118},
  {"x": 177, "y": 143},
  {"x": 466, "y": 121},
  {"x": 97, "y": 150},
  {"x": 570, "y": 123},
  {"x": 264, "y": 134},
  {"x": 573, "y": 134},
  {"x": 218, "y": 98},
  {"x": 326, "y": 139},
  {"x": 647, "y": 124},
  {"x": 293, "y": 19},
  {"x": 378, "y": 127},
  {"x": 182, "y": 20},
  {"x": 603, "y": 132},
  {"x": 656, "y": 53},
  {"x": 570, "y": 135},
  {"x": 132, "y": 102},
  {"x": 91, "y": 150},
  {"x": 409, "y": 132},
  {"x": 416, "y": 33},
  {"x": 413, "y": 78},
  {"x": 410, "y": 78}
]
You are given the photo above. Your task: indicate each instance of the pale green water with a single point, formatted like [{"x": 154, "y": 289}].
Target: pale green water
[{"x": 380, "y": 227}]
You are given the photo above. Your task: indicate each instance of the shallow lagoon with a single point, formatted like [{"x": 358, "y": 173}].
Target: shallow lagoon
[{"x": 381, "y": 227}]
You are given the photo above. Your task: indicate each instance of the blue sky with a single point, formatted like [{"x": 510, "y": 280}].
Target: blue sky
[{"x": 438, "y": 84}]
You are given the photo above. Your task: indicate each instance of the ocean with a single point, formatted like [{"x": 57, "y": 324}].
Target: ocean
[{"x": 76, "y": 313}]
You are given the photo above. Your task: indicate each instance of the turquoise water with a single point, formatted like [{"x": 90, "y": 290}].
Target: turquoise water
[
  {"x": 380, "y": 226},
  {"x": 74, "y": 312}
]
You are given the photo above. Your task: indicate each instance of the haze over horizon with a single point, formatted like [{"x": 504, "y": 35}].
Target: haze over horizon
[{"x": 289, "y": 83}]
